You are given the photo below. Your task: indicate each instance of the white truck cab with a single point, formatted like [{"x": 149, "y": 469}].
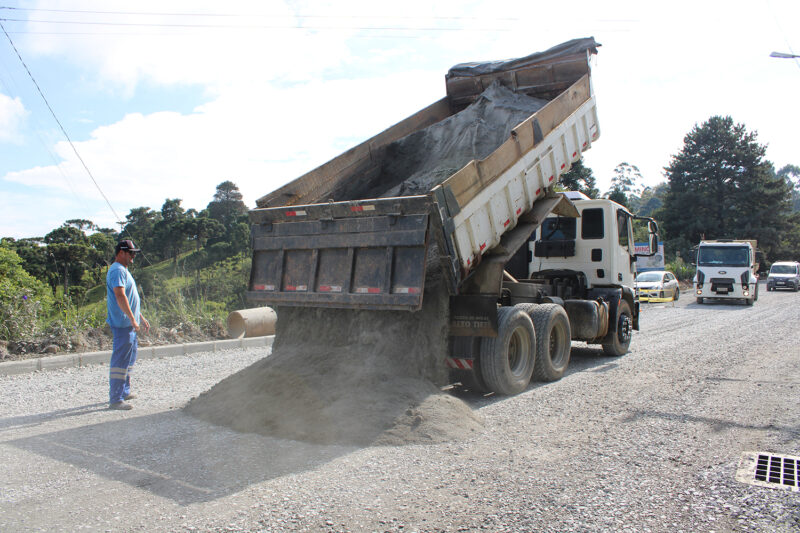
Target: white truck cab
[
  {"x": 726, "y": 269},
  {"x": 599, "y": 243},
  {"x": 784, "y": 275}
]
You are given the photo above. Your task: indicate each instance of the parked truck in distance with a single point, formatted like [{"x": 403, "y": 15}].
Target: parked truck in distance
[
  {"x": 726, "y": 270},
  {"x": 517, "y": 296}
]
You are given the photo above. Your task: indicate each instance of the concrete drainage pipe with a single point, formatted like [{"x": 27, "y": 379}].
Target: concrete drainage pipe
[{"x": 255, "y": 322}]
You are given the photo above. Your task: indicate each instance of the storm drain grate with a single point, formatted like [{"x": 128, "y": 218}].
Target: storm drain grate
[{"x": 770, "y": 470}]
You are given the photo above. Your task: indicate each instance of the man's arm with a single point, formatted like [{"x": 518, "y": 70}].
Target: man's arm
[{"x": 122, "y": 301}]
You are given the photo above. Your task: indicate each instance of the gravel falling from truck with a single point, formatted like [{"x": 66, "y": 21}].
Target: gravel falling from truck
[{"x": 340, "y": 376}]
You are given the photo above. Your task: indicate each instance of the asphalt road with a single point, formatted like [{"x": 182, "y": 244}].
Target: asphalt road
[{"x": 650, "y": 441}]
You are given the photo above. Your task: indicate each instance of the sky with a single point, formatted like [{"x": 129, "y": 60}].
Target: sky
[{"x": 108, "y": 105}]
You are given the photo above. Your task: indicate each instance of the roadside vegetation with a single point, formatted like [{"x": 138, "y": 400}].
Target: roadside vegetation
[
  {"x": 191, "y": 273},
  {"x": 194, "y": 266}
]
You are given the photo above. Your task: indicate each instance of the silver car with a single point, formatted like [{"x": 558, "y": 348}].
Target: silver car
[{"x": 657, "y": 285}]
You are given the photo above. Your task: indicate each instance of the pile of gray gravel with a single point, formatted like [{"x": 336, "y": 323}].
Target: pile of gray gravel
[{"x": 347, "y": 377}]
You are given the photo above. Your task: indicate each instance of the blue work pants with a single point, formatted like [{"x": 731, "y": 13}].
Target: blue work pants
[{"x": 123, "y": 356}]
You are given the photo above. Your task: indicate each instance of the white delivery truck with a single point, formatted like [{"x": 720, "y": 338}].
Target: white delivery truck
[
  {"x": 342, "y": 236},
  {"x": 726, "y": 270}
]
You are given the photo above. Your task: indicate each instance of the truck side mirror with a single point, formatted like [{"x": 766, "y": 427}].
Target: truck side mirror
[{"x": 653, "y": 238}]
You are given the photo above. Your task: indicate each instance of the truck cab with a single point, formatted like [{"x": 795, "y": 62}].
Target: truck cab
[
  {"x": 599, "y": 243},
  {"x": 591, "y": 257},
  {"x": 726, "y": 270}
]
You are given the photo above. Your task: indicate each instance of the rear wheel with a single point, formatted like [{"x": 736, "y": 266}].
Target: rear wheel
[
  {"x": 507, "y": 361},
  {"x": 554, "y": 341},
  {"x": 621, "y": 339},
  {"x": 700, "y": 301}
]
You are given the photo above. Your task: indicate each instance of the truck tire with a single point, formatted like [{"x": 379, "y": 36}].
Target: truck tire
[
  {"x": 700, "y": 301},
  {"x": 506, "y": 361},
  {"x": 554, "y": 341},
  {"x": 621, "y": 339}
]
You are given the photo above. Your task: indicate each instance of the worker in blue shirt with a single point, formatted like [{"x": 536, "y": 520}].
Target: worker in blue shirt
[{"x": 126, "y": 320}]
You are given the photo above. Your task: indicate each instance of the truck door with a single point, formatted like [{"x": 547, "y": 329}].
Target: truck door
[{"x": 625, "y": 267}]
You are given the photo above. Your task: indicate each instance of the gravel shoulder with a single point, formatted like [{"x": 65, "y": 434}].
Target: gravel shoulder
[{"x": 645, "y": 442}]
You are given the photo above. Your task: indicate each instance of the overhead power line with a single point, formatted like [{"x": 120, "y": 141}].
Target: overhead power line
[
  {"x": 231, "y": 15},
  {"x": 248, "y": 26},
  {"x": 61, "y": 127}
]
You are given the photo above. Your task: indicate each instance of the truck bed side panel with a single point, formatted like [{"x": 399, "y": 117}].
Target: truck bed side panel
[{"x": 486, "y": 198}]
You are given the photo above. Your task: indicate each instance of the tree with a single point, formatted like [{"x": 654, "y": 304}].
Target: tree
[
  {"x": 22, "y": 297},
  {"x": 171, "y": 231},
  {"x": 102, "y": 242},
  {"x": 227, "y": 206},
  {"x": 649, "y": 201},
  {"x": 617, "y": 195},
  {"x": 69, "y": 247},
  {"x": 140, "y": 227},
  {"x": 580, "y": 178},
  {"x": 81, "y": 224},
  {"x": 625, "y": 183},
  {"x": 720, "y": 186},
  {"x": 199, "y": 228},
  {"x": 791, "y": 173},
  {"x": 34, "y": 256}
]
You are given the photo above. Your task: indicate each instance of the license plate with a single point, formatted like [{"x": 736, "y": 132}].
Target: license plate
[{"x": 722, "y": 291}]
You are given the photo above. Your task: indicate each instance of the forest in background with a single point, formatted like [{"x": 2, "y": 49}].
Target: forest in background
[{"x": 194, "y": 265}]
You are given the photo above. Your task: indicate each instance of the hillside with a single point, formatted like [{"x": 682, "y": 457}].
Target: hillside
[{"x": 185, "y": 300}]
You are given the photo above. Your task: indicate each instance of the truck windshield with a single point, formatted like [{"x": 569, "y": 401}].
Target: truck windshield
[
  {"x": 783, "y": 269},
  {"x": 723, "y": 256}
]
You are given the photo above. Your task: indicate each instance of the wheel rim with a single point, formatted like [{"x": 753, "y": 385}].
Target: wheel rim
[
  {"x": 625, "y": 328},
  {"x": 519, "y": 346},
  {"x": 557, "y": 339}
]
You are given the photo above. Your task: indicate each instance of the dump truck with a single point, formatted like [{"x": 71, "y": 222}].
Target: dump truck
[
  {"x": 727, "y": 270},
  {"x": 527, "y": 269}
]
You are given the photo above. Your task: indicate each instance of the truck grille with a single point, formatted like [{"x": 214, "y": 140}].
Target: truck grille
[{"x": 723, "y": 285}]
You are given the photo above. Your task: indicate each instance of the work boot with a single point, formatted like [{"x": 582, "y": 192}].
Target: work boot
[
  {"x": 120, "y": 406},
  {"x": 130, "y": 396}
]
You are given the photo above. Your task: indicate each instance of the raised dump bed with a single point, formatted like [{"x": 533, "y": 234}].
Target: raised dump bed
[{"x": 346, "y": 235}]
